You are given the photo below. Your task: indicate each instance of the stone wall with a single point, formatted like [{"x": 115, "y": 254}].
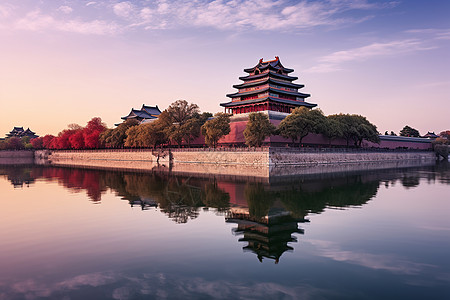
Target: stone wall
[
  {"x": 111, "y": 159},
  {"x": 16, "y": 157},
  {"x": 261, "y": 163},
  {"x": 286, "y": 157},
  {"x": 16, "y": 154}
]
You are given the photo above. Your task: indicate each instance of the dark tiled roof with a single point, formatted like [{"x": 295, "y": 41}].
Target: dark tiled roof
[
  {"x": 270, "y": 89},
  {"x": 261, "y": 75},
  {"x": 270, "y": 80},
  {"x": 152, "y": 110},
  {"x": 285, "y": 101},
  {"x": 273, "y": 64}
]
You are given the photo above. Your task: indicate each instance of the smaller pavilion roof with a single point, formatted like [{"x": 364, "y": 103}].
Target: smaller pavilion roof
[
  {"x": 152, "y": 110},
  {"x": 431, "y": 135},
  {"x": 138, "y": 114}
]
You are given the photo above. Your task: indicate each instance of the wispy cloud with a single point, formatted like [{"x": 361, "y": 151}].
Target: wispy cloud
[
  {"x": 37, "y": 21},
  {"x": 65, "y": 9},
  {"x": 124, "y": 286},
  {"x": 334, "y": 61},
  {"x": 123, "y": 9},
  {"x": 386, "y": 262},
  {"x": 236, "y": 15}
]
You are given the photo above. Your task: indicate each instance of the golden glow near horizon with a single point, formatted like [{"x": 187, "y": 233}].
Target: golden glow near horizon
[{"x": 68, "y": 61}]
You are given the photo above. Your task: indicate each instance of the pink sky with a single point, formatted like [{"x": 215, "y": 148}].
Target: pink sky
[{"x": 66, "y": 61}]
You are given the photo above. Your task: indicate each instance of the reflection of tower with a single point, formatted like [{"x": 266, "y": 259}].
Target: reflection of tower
[
  {"x": 19, "y": 177},
  {"x": 267, "y": 236}
]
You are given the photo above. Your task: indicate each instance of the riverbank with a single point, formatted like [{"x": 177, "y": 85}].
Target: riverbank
[{"x": 245, "y": 162}]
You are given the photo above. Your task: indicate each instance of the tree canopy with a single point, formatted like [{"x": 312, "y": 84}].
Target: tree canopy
[
  {"x": 301, "y": 122},
  {"x": 409, "y": 131},
  {"x": 356, "y": 128},
  {"x": 257, "y": 129},
  {"x": 216, "y": 128}
]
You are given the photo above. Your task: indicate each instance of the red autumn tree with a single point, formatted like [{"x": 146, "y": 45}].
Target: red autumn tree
[
  {"x": 47, "y": 141},
  {"x": 77, "y": 140},
  {"x": 63, "y": 139},
  {"x": 38, "y": 143},
  {"x": 14, "y": 143},
  {"x": 92, "y": 132}
]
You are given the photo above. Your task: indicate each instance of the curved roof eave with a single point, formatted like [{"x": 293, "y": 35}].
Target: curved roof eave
[
  {"x": 270, "y": 89},
  {"x": 269, "y": 79},
  {"x": 293, "y": 102},
  {"x": 251, "y": 77}
]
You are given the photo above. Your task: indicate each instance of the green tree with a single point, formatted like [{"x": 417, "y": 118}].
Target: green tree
[
  {"x": 116, "y": 137},
  {"x": 152, "y": 134},
  {"x": 301, "y": 122},
  {"x": 356, "y": 128},
  {"x": 176, "y": 116},
  {"x": 216, "y": 128},
  {"x": 332, "y": 129},
  {"x": 257, "y": 129},
  {"x": 180, "y": 111},
  {"x": 192, "y": 128},
  {"x": 132, "y": 139},
  {"x": 409, "y": 131}
]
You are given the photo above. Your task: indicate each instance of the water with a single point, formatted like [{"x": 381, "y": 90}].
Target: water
[{"x": 92, "y": 234}]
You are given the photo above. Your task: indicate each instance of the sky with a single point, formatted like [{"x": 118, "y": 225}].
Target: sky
[{"x": 66, "y": 61}]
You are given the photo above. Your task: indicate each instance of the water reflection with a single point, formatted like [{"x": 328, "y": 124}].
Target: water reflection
[{"x": 266, "y": 214}]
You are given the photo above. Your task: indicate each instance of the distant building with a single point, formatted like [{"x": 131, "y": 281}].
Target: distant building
[
  {"x": 20, "y": 133},
  {"x": 431, "y": 135},
  {"x": 145, "y": 114},
  {"x": 268, "y": 87}
]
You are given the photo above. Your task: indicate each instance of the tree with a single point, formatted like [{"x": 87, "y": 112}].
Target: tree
[
  {"x": 191, "y": 129},
  {"x": 14, "y": 143},
  {"x": 180, "y": 111},
  {"x": 332, "y": 129},
  {"x": 77, "y": 140},
  {"x": 257, "y": 129},
  {"x": 152, "y": 134},
  {"x": 47, "y": 141},
  {"x": 132, "y": 139},
  {"x": 301, "y": 122},
  {"x": 216, "y": 128},
  {"x": 356, "y": 128},
  {"x": 92, "y": 132},
  {"x": 445, "y": 134},
  {"x": 62, "y": 141},
  {"x": 116, "y": 138},
  {"x": 38, "y": 143},
  {"x": 393, "y": 133},
  {"x": 409, "y": 131},
  {"x": 176, "y": 116}
]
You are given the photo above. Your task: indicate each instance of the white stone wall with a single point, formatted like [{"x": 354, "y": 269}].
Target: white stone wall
[
  {"x": 316, "y": 158},
  {"x": 261, "y": 163}
]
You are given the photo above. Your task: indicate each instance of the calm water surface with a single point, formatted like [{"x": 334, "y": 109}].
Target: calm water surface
[{"x": 90, "y": 234}]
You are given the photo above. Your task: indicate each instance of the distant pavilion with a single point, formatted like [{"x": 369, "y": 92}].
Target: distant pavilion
[
  {"x": 20, "y": 133},
  {"x": 267, "y": 87},
  {"x": 145, "y": 114}
]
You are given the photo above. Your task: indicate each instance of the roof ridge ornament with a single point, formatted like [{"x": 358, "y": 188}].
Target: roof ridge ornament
[{"x": 261, "y": 61}]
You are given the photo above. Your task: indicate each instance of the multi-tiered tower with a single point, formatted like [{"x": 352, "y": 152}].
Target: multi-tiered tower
[{"x": 267, "y": 87}]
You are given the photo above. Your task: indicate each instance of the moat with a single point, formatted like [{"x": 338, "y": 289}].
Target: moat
[{"x": 74, "y": 233}]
